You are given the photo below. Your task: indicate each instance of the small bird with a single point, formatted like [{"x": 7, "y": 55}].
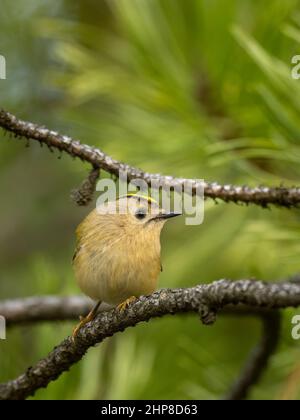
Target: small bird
[{"x": 117, "y": 256}]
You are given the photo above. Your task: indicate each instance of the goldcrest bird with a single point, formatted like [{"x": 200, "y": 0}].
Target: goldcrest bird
[{"x": 117, "y": 257}]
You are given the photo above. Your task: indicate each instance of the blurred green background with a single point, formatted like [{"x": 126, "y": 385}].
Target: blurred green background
[{"x": 193, "y": 88}]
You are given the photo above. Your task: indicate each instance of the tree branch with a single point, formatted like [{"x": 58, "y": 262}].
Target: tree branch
[
  {"x": 53, "y": 308},
  {"x": 259, "y": 357},
  {"x": 46, "y": 308},
  {"x": 203, "y": 299},
  {"x": 261, "y": 195}
]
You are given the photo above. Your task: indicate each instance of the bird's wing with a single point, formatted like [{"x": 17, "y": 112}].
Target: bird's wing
[{"x": 77, "y": 249}]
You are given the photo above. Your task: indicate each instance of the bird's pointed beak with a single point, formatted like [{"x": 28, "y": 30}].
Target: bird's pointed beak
[{"x": 167, "y": 215}]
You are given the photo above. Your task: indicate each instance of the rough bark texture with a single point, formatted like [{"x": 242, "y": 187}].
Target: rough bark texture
[
  {"x": 261, "y": 195},
  {"x": 206, "y": 300}
]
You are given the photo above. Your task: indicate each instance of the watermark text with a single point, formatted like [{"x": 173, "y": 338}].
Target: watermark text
[
  {"x": 2, "y": 67},
  {"x": 2, "y": 328},
  {"x": 295, "y": 72},
  {"x": 185, "y": 197}
]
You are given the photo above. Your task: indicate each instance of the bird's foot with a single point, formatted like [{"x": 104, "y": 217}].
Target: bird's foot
[
  {"x": 85, "y": 320},
  {"x": 122, "y": 306}
]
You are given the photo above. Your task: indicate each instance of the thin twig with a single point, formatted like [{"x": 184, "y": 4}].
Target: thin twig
[
  {"x": 260, "y": 195},
  {"x": 214, "y": 296},
  {"x": 84, "y": 194}
]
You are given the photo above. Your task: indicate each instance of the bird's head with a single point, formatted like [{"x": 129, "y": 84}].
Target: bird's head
[
  {"x": 136, "y": 212},
  {"x": 133, "y": 215}
]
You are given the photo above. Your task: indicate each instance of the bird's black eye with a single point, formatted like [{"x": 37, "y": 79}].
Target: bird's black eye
[{"x": 140, "y": 214}]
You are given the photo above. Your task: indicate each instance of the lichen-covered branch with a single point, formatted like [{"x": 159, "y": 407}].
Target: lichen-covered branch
[
  {"x": 202, "y": 299},
  {"x": 260, "y": 195},
  {"x": 55, "y": 308}
]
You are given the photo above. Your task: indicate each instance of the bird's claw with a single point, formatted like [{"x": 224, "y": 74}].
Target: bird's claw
[
  {"x": 85, "y": 320},
  {"x": 122, "y": 306}
]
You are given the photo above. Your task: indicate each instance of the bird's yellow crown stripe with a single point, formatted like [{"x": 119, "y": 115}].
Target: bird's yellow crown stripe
[{"x": 140, "y": 196}]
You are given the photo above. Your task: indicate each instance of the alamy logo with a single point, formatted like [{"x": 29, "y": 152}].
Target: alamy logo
[
  {"x": 296, "y": 328},
  {"x": 2, "y": 328},
  {"x": 2, "y": 67},
  {"x": 187, "y": 198},
  {"x": 295, "y": 72}
]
